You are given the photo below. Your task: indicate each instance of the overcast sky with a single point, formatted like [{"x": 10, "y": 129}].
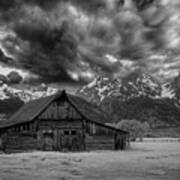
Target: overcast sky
[{"x": 77, "y": 40}]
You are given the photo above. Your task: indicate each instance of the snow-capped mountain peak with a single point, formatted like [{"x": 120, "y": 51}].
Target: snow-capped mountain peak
[
  {"x": 100, "y": 88},
  {"x": 134, "y": 85},
  {"x": 137, "y": 96}
]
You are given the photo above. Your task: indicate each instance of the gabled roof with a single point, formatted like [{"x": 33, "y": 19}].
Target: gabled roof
[
  {"x": 31, "y": 110},
  {"x": 27, "y": 112}
]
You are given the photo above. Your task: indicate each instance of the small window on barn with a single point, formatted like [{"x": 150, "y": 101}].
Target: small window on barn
[
  {"x": 66, "y": 132},
  {"x": 73, "y": 132},
  {"x": 26, "y": 127}
]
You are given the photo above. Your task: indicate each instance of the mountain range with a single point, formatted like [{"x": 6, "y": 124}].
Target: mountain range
[{"x": 137, "y": 96}]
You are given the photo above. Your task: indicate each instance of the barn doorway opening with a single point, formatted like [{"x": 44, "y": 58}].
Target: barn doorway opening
[
  {"x": 48, "y": 141},
  {"x": 72, "y": 140}
]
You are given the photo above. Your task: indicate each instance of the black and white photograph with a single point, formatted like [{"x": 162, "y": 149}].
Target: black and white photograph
[{"x": 89, "y": 89}]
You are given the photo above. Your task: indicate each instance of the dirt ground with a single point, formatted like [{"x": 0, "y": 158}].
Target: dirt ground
[{"x": 144, "y": 161}]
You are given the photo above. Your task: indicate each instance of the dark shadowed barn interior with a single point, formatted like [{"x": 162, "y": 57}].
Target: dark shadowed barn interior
[{"x": 61, "y": 122}]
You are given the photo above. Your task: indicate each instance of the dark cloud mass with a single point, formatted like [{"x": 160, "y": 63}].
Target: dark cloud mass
[
  {"x": 8, "y": 4},
  {"x": 65, "y": 40},
  {"x": 51, "y": 50}
]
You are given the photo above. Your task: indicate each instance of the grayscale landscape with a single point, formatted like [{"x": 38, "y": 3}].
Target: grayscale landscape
[{"x": 89, "y": 89}]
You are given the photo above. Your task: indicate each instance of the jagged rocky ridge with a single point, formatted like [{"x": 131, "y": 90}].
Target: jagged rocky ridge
[
  {"x": 138, "y": 96},
  {"x": 134, "y": 85}
]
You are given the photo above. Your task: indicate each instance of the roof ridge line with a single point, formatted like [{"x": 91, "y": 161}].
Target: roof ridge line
[{"x": 54, "y": 96}]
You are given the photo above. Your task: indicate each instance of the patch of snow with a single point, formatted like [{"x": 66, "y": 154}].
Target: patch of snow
[
  {"x": 133, "y": 85},
  {"x": 149, "y": 82},
  {"x": 3, "y": 92},
  {"x": 92, "y": 84},
  {"x": 167, "y": 92},
  {"x": 111, "y": 58},
  {"x": 101, "y": 91}
]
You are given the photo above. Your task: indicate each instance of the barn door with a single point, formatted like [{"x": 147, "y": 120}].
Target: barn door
[
  {"x": 48, "y": 141},
  {"x": 72, "y": 140},
  {"x": 57, "y": 140}
]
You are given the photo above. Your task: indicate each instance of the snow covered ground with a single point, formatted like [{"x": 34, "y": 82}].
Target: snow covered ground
[{"x": 144, "y": 161}]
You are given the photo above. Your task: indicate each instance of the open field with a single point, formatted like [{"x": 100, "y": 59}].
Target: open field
[
  {"x": 149, "y": 161},
  {"x": 165, "y": 132}
]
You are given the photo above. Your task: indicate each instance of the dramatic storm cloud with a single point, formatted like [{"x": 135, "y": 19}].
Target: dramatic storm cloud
[{"x": 76, "y": 40}]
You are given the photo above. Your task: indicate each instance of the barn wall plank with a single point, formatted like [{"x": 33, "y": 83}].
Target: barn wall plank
[
  {"x": 19, "y": 141},
  {"x": 99, "y": 142}
]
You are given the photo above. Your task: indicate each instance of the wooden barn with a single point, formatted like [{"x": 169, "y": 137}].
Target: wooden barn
[{"x": 61, "y": 122}]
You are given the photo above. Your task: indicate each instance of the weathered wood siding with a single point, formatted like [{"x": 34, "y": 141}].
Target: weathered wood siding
[
  {"x": 98, "y": 137},
  {"x": 120, "y": 141},
  {"x": 59, "y": 124},
  {"x": 21, "y": 137},
  {"x": 21, "y": 142},
  {"x": 60, "y": 110},
  {"x": 99, "y": 143},
  {"x": 60, "y": 135},
  {"x": 60, "y": 128}
]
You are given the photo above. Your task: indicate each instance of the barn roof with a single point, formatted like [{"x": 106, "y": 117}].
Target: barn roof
[{"x": 32, "y": 109}]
